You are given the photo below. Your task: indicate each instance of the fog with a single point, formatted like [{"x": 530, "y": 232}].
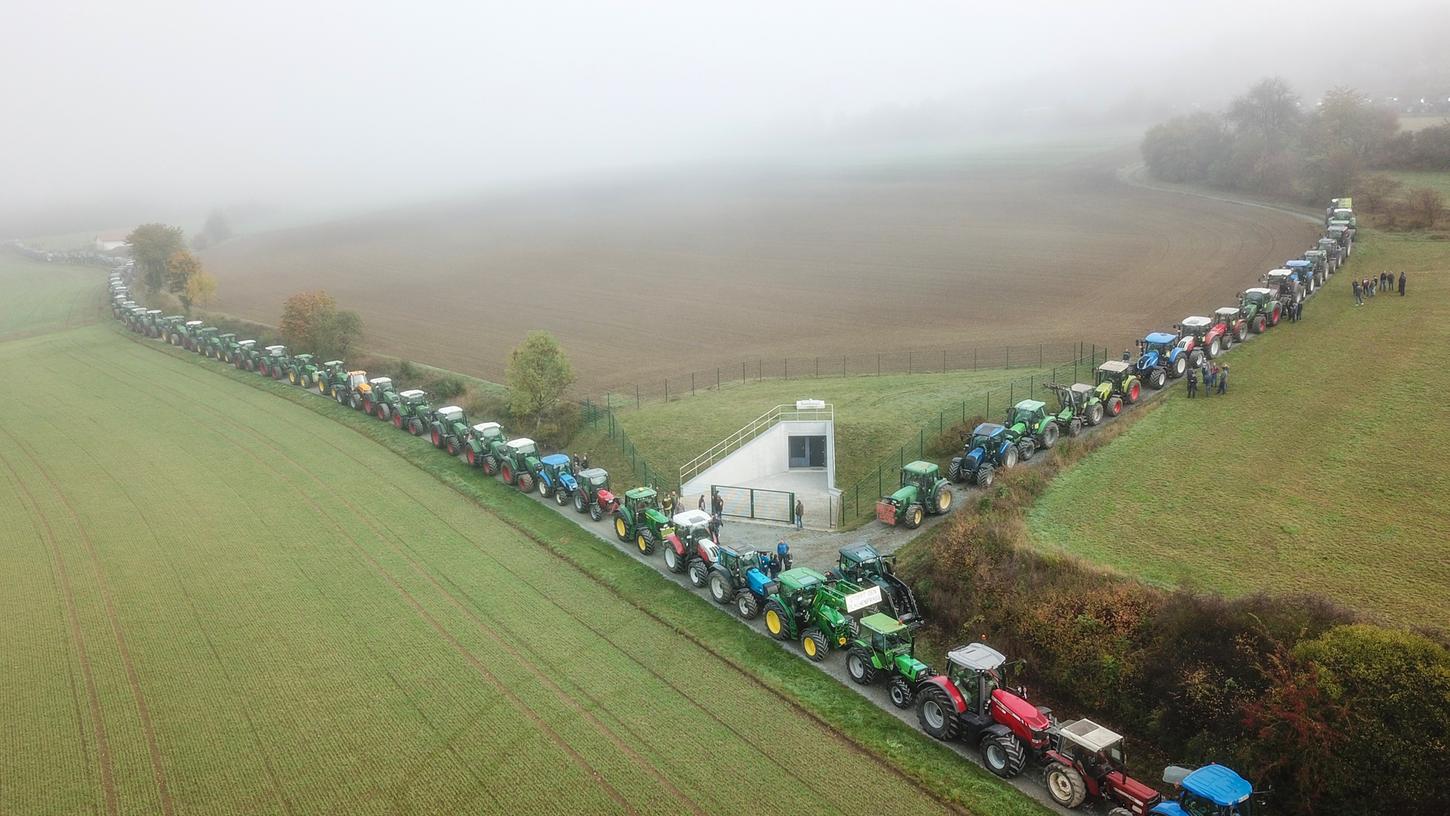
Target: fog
[{"x": 120, "y": 111}]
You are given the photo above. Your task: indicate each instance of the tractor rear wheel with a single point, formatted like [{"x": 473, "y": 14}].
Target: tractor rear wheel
[
  {"x": 438, "y": 441},
  {"x": 1196, "y": 358},
  {"x": 561, "y": 498},
  {"x": 674, "y": 562},
  {"x": 914, "y": 517},
  {"x": 1214, "y": 348},
  {"x": 954, "y": 470},
  {"x": 814, "y": 644},
  {"x": 452, "y": 448},
  {"x": 937, "y": 715},
  {"x": 699, "y": 574},
  {"x": 1115, "y": 405},
  {"x": 722, "y": 589},
  {"x": 545, "y": 489},
  {"x": 1157, "y": 378},
  {"x": 1134, "y": 392},
  {"x": 901, "y": 693},
  {"x": 472, "y": 458},
  {"x": 398, "y": 421},
  {"x": 1180, "y": 367},
  {"x": 1275, "y": 314},
  {"x": 1009, "y": 459},
  {"x": 525, "y": 482},
  {"x": 775, "y": 619},
  {"x": 644, "y": 539},
  {"x": 941, "y": 499},
  {"x": 506, "y": 473},
  {"x": 595, "y": 511},
  {"x": 1049, "y": 436},
  {"x": 1243, "y": 331},
  {"x": 747, "y": 605},
  {"x": 579, "y": 505},
  {"x": 1074, "y": 427},
  {"x": 1003, "y": 755},
  {"x": 1065, "y": 785},
  {"x": 984, "y": 475},
  {"x": 415, "y": 426},
  {"x": 490, "y": 465},
  {"x": 621, "y": 528},
  {"x": 1095, "y": 413},
  {"x": 860, "y": 667}
]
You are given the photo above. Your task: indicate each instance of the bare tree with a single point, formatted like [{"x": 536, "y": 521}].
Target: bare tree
[{"x": 1270, "y": 110}]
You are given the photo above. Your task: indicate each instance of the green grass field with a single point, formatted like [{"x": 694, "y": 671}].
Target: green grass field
[
  {"x": 227, "y": 597},
  {"x": 39, "y": 296},
  {"x": 1423, "y": 178},
  {"x": 1323, "y": 471}
]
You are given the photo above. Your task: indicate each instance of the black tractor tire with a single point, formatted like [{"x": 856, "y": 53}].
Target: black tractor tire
[
  {"x": 777, "y": 622},
  {"x": 545, "y": 489},
  {"x": 580, "y": 506},
  {"x": 452, "y": 448},
  {"x": 699, "y": 574},
  {"x": 1115, "y": 405},
  {"x": 415, "y": 426},
  {"x": 1049, "y": 436},
  {"x": 936, "y": 714},
  {"x": 595, "y": 511},
  {"x": 644, "y": 539},
  {"x": 1074, "y": 428},
  {"x": 954, "y": 470},
  {"x": 1065, "y": 785},
  {"x": 674, "y": 562},
  {"x": 1120, "y": 811},
  {"x": 384, "y": 411},
  {"x": 815, "y": 645},
  {"x": 1180, "y": 367},
  {"x": 506, "y": 473},
  {"x": 526, "y": 482},
  {"x": 561, "y": 497},
  {"x": 1009, "y": 459},
  {"x": 353, "y": 402},
  {"x": 1025, "y": 449},
  {"x": 860, "y": 668},
  {"x": 722, "y": 588},
  {"x": 621, "y": 527},
  {"x": 436, "y": 437},
  {"x": 1215, "y": 348},
  {"x": 1259, "y": 324},
  {"x": 1196, "y": 358},
  {"x": 1242, "y": 332},
  {"x": 985, "y": 475},
  {"x": 1275, "y": 317},
  {"x": 1095, "y": 413},
  {"x": 901, "y": 693},
  {"x": 490, "y": 465},
  {"x": 913, "y": 517},
  {"x": 1003, "y": 755},
  {"x": 941, "y": 500},
  {"x": 1157, "y": 378},
  {"x": 747, "y": 605}
]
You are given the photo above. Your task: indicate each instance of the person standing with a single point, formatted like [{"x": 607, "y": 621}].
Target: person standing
[
  {"x": 800, "y": 514},
  {"x": 1358, "y": 293},
  {"x": 1192, "y": 384},
  {"x": 717, "y": 507},
  {"x": 702, "y": 502},
  {"x": 1298, "y": 311},
  {"x": 584, "y": 461},
  {"x": 1402, "y": 283},
  {"x": 1223, "y": 380},
  {"x": 1207, "y": 373}
]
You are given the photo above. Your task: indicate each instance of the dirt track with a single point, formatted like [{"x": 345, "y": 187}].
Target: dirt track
[{"x": 669, "y": 274}]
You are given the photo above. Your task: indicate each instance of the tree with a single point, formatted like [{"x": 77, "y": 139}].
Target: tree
[
  {"x": 1270, "y": 110},
  {"x": 1187, "y": 148},
  {"x": 214, "y": 231},
  {"x": 181, "y": 268},
  {"x": 152, "y": 245},
  {"x": 1374, "y": 193},
  {"x": 1427, "y": 205},
  {"x": 200, "y": 289},
  {"x": 538, "y": 375},
  {"x": 310, "y": 320},
  {"x": 1347, "y": 120}
]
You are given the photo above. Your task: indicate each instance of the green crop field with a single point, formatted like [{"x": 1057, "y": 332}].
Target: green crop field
[
  {"x": 1424, "y": 178},
  {"x": 220, "y": 601},
  {"x": 1322, "y": 471},
  {"x": 39, "y": 296}
]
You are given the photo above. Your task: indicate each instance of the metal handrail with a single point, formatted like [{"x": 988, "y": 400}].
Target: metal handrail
[{"x": 751, "y": 430}]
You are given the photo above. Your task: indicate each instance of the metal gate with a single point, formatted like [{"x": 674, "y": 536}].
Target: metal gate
[{"x": 757, "y": 504}]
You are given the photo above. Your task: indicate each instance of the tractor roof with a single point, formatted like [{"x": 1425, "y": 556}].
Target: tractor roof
[
  {"x": 1115, "y": 366},
  {"x": 520, "y": 443},
  {"x": 381, "y": 381},
  {"x": 246, "y": 342},
  {"x": 304, "y": 357},
  {"x": 1090, "y": 735},
  {"x": 637, "y": 492},
  {"x": 1279, "y": 274},
  {"x": 1314, "y": 253},
  {"x": 800, "y": 578},
  {"x": 1218, "y": 785},
  {"x": 555, "y": 459},
  {"x": 988, "y": 429},
  {"x": 885, "y": 624},
  {"x": 1081, "y": 388},
  {"x": 857, "y": 553},
  {"x": 1196, "y": 322},
  {"x": 977, "y": 656},
  {"x": 1227, "y": 311},
  {"x": 485, "y": 427},
  {"x": 691, "y": 518},
  {"x": 1160, "y": 337},
  {"x": 1337, "y": 228},
  {"x": 449, "y": 413},
  {"x": 193, "y": 322},
  {"x": 275, "y": 349},
  {"x": 920, "y": 468},
  {"x": 1031, "y": 405},
  {"x": 153, "y": 311},
  {"x": 1297, "y": 263},
  {"x": 412, "y": 393},
  {"x": 1258, "y": 290},
  {"x": 593, "y": 473},
  {"x": 334, "y": 363},
  {"x": 175, "y": 317},
  {"x": 357, "y": 373}
]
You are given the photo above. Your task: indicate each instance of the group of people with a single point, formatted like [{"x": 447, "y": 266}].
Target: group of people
[
  {"x": 581, "y": 463},
  {"x": 1213, "y": 376},
  {"x": 1368, "y": 287},
  {"x": 671, "y": 504}
]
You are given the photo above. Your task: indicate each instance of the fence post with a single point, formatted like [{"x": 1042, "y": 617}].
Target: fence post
[
  {"x": 908, "y": 362},
  {"x": 1074, "y": 370},
  {"x": 667, "y": 389},
  {"x": 717, "y": 378},
  {"x": 752, "y": 504},
  {"x": 692, "y": 383},
  {"x": 1012, "y": 393},
  {"x": 878, "y": 364},
  {"x": 974, "y": 359},
  {"x": 943, "y": 361},
  {"x": 987, "y": 412},
  {"x": 1031, "y": 386},
  {"x": 1009, "y": 358},
  {"x": 1039, "y": 355},
  {"x": 818, "y": 368}
]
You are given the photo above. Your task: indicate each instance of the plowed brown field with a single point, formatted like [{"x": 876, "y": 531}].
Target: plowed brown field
[{"x": 687, "y": 271}]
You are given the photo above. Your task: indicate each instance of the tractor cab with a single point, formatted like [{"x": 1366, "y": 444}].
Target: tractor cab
[
  {"x": 1212, "y": 790},
  {"x": 1196, "y": 327},
  {"x": 1113, "y": 372},
  {"x": 1281, "y": 281},
  {"x": 1257, "y": 296},
  {"x": 1302, "y": 269},
  {"x": 381, "y": 384},
  {"x": 1339, "y": 233},
  {"x": 192, "y": 324},
  {"x": 987, "y": 435},
  {"x": 452, "y": 413},
  {"x": 557, "y": 464},
  {"x": 486, "y": 432},
  {"x": 862, "y": 564},
  {"x": 1077, "y": 395},
  {"x": 276, "y": 351},
  {"x": 414, "y": 398},
  {"x": 975, "y": 669},
  {"x": 244, "y": 346},
  {"x": 522, "y": 446},
  {"x": 1330, "y": 247},
  {"x": 1087, "y": 743},
  {"x": 922, "y": 491},
  {"x": 1318, "y": 258},
  {"x": 596, "y": 478},
  {"x": 1228, "y": 314},
  {"x": 691, "y": 525},
  {"x": 887, "y": 635},
  {"x": 1344, "y": 214},
  {"x": 643, "y": 504},
  {"x": 861, "y": 558},
  {"x": 1095, "y": 755},
  {"x": 1028, "y": 414},
  {"x": 358, "y": 381},
  {"x": 1156, "y": 348}
]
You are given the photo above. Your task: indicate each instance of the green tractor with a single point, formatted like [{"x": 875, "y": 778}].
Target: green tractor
[
  {"x": 1117, "y": 383},
  {"x": 302, "y": 370},
  {"x": 518, "y": 461},
  {"x": 922, "y": 491},
  {"x": 884, "y": 647},
  {"x": 202, "y": 340},
  {"x": 1078, "y": 406},
  {"x": 448, "y": 429},
  {"x": 191, "y": 334},
  {"x": 802, "y": 604},
  {"x": 151, "y": 322},
  {"x": 412, "y": 411},
  {"x": 861, "y": 564},
  {"x": 1261, "y": 308},
  {"x": 482, "y": 443},
  {"x": 332, "y": 374},
  {"x": 640, "y": 519},
  {"x": 376, "y": 398},
  {"x": 244, "y": 355},
  {"x": 173, "y": 329},
  {"x": 1031, "y": 428},
  {"x": 273, "y": 362}
]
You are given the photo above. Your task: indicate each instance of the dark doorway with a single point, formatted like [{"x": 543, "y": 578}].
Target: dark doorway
[{"x": 807, "y": 452}]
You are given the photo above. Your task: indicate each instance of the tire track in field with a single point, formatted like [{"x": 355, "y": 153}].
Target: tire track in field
[
  {"x": 432, "y": 621},
  {"x": 148, "y": 731},
  {"x": 840, "y": 737},
  {"x": 103, "y": 745}
]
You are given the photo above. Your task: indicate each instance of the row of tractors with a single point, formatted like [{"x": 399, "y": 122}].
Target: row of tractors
[{"x": 860, "y": 608}]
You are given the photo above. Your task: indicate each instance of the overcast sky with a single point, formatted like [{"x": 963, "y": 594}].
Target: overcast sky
[{"x": 228, "y": 99}]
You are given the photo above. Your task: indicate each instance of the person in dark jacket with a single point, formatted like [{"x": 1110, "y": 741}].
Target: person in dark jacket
[
  {"x": 1223, "y": 380},
  {"x": 1192, "y": 383},
  {"x": 1402, "y": 284},
  {"x": 1358, "y": 293}
]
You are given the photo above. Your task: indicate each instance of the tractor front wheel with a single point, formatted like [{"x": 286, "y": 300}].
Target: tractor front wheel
[
  {"x": 937, "y": 715},
  {"x": 1115, "y": 405},
  {"x": 1180, "y": 367},
  {"x": 472, "y": 458},
  {"x": 1259, "y": 324},
  {"x": 1074, "y": 427},
  {"x": 901, "y": 692},
  {"x": 1214, "y": 348},
  {"x": 914, "y": 517},
  {"x": 398, "y": 421},
  {"x": 644, "y": 540},
  {"x": 1243, "y": 331},
  {"x": 452, "y": 448},
  {"x": 525, "y": 482},
  {"x": 674, "y": 562},
  {"x": 545, "y": 489},
  {"x": 814, "y": 644},
  {"x": 579, "y": 505},
  {"x": 415, "y": 426},
  {"x": 722, "y": 589},
  {"x": 506, "y": 472},
  {"x": 1196, "y": 359},
  {"x": 984, "y": 475},
  {"x": 337, "y": 395},
  {"x": 1157, "y": 378},
  {"x": 490, "y": 465},
  {"x": 383, "y": 411},
  {"x": 775, "y": 620},
  {"x": 747, "y": 605},
  {"x": 699, "y": 574},
  {"x": 1065, "y": 785},
  {"x": 860, "y": 667},
  {"x": 1003, "y": 755},
  {"x": 438, "y": 441}
]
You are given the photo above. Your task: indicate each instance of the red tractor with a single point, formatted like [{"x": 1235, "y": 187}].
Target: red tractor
[
  {"x": 1086, "y": 762},
  {"x": 1237, "y": 324},
  {"x": 1209, "y": 335},
  {"x": 971, "y": 702}
]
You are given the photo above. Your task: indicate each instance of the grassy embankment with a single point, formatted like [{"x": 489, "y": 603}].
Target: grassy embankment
[
  {"x": 37, "y": 297},
  {"x": 1323, "y": 471}
]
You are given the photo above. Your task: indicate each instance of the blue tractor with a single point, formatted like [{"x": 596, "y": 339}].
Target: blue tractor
[
  {"x": 990, "y": 449},
  {"x": 744, "y": 577},
  {"x": 1303, "y": 270},
  {"x": 1160, "y": 357},
  {"x": 556, "y": 478},
  {"x": 1212, "y": 789}
]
